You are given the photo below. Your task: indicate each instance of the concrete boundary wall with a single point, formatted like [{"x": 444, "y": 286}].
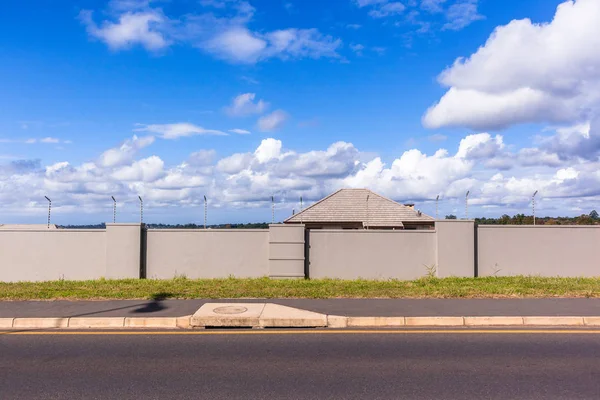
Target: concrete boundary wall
[
  {"x": 207, "y": 253},
  {"x": 508, "y": 250},
  {"x": 455, "y": 241},
  {"x": 71, "y": 254},
  {"x": 454, "y": 248},
  {"x": 371, "y": 254}
]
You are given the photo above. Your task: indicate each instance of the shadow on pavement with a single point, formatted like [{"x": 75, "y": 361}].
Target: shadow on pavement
[{"x": 154, "y": 305}]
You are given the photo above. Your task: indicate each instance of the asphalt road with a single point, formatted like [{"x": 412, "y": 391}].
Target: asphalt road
[
  {"x": 349, "y": 307},
  {"x": 293, "y": 365}
]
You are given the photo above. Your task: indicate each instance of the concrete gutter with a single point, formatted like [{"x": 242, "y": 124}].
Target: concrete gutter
[{"x": 268, "y": 315}]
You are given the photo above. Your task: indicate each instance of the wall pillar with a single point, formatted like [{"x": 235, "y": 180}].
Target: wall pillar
[
  {"x": 123, "y": 251},
  {"x": 286, "y": 251},
  {"x": 455, "y": 248}
]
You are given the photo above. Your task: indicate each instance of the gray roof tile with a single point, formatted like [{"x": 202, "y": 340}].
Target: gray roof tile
[{"x": 350, "y": 205}]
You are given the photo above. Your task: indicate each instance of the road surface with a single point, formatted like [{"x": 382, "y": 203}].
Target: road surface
[{"x": 267, "y": 364}]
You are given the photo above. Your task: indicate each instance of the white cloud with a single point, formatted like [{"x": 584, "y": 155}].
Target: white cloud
[
  {"x": 132, "y": 28},
  {"x": 223, "y": 32},
  {"x": 237, "y": 44},
  {"x": 387, "y": 9},
  {"x": 484, "y": 110},
  {"x": 300, "y": 43},
  {"x": 462, "y": 14},
  {"x": 273, "y": 121},
  {"x": 234, "y": 163},
  {"x": 145, "y": 170},
  {"x": 124, "y": 153},
  {"x": 432, "y": 6},
  {"x": 357, "y": 48},
  {"x": 244, "y": 104},
  {"x": 480, "y": 146},
  {"x": 50, "y": 140},
  {"x": 233, "y": 41},
  {"x": 240, "y": 45},
  {"x": 500, "y": 178},
  {"x": 364, "y": 3},
  {"x": 202, "y": 157},
  {"x": 354, "y": 26},
  {"x": 526, "y": 72},
  {"x": 177, "y": 130},
  {"x": 240, "y": 131},
  {"x": 269, "y": 149},
  {"x": 579, "y": 141}
]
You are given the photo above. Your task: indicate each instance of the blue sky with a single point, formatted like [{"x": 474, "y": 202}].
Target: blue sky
[{"x": 240, "y": 100}]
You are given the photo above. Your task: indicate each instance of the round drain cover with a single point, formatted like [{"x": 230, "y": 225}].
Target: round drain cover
[{"x": 230, "y": 310}]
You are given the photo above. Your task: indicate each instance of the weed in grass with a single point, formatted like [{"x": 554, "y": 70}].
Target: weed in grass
[{"x": 431, "y": 271}]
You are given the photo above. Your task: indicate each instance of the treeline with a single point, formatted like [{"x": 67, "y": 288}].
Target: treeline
[
  {"x": 521, "y": 219},
  {"x": 259, "y": 225},
  {"x": 94, "y": 226}
]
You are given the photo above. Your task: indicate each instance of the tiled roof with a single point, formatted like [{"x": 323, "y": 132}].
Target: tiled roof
[{"x": 350, "y": 205}]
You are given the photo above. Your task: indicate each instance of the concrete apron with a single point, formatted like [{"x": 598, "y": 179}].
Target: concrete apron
[
  {"x": 268, "y": 315},
  {"x": 252, "y": 315}
]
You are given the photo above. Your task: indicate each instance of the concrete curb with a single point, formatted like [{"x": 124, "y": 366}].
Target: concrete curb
[
  {"x": 95, "y": 323},
  {"x": 332, "y": 321},
  {"x": 487, "y": 321}
]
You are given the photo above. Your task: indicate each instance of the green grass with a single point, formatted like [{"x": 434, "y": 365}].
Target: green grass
[{"x": 182, "y": 288}]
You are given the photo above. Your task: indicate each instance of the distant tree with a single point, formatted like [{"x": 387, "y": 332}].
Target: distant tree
[
  {"x": 450, "y": 216},
  {"x": 584, "y": 220},
  {"x": 594, "y": 214},
  {"x": 505, "y": 220}
]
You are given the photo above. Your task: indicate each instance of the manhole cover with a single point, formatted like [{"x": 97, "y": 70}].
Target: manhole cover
[{"x": 230, "y": 310}]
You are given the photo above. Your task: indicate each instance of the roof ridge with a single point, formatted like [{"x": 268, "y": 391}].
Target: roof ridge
[
  {"x": 311, "y": 206},
  {"x": 342, "y": 208}
]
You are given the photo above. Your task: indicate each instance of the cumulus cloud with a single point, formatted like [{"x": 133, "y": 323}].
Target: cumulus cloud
[
  {"x": 269, "y": 149},
  {"x": 482, "y": 163},
  {"x": 177, "y": 130},
  {"x": 124, "y": 153},
  {"x": 480, "y": 146},
  {"x": 234, "y": 163},
  {"x": 579, "y": 141},
  {"x": 145, "y": 170},
  {"x": 273, "y": 121},
  {"x": 202, "y": 157},
  {"x": 244, "y": 104},
  {"x": 527, "y": 73}
]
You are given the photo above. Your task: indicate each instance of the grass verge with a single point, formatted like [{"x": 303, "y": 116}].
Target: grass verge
[{"x": 181, "y": 288}]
